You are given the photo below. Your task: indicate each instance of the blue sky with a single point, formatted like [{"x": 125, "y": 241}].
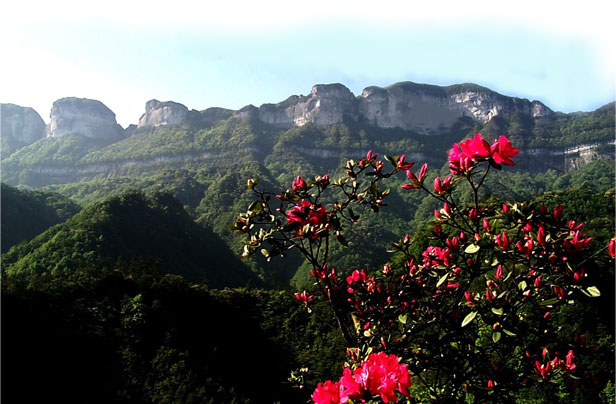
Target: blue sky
[{"x": 124, "y": 53}]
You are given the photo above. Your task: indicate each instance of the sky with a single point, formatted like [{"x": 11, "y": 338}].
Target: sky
[{"x": 236, "y": 53}]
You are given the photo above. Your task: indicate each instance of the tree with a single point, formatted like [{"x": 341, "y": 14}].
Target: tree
[{"x": 479, "y": 316}]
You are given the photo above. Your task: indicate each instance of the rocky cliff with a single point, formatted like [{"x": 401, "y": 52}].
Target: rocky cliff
[
  {"x": 422, "y": 108},
  {"x": 327, "y": 104},
  {"x": 429, "y": 110},
  {"x": 90, "y": 118},
  {"x": 20, "y": 124},
  {"x": 162, "y": 113}
]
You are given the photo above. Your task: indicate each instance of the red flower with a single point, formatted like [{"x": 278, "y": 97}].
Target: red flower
[
  {"x": 569, "y": 365},
  {"x": 476, "y": 148},
  {"x": 442, "y": 186},
  {"x": 327, "y": 393},
  {"x": 499, "y": 272},
  {"x": 308, "y": 213},
  {"x": 403, "y": 165},
  {"x": 577, "y": 243},
  {"x": 612, "y": 248},
  {"x": 382, "y": 374},
  {"x": 350, "y": 388},
  {"x": 558, "y": 212},
  {"x": 544, "y": 369},
  {"x": 370, "y": 156},
  {"x": 304, "y": 297},
  {"x": 502, "y": 240},
  {"x": 541, "y": 235},
  {"x": 356, "y": 276},
  {"x": 502, "y": 150},
  {"x": 299, "y": 184}
]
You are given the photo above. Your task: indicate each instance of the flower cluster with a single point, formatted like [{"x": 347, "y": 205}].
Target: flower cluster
[
  {"x": 381, "y": 375},
  {"x": 545, "y": 369},
  {"x": 307, "y": 213},
  {"x": 463, "y": 155}
]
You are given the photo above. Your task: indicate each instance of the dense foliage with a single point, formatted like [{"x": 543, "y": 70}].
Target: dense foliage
[
  {"x": 483, "y": 314},
  {"x": 26, "y": 214},
  {"x": 131, "y": 227},
  {"x": 117, "y": 304}
]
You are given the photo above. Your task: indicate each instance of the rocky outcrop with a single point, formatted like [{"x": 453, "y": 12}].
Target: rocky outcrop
[
  {"x": 327, "y": 104},
  {"x": 21, "y": 125},
  {"x": 431, "y": 110},
  {"x": 421, "y": 108},
  {"x": 90, "y": 118},
  {"x": 162, "y": 113}
]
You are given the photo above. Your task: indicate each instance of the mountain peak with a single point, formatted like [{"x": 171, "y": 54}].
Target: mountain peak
[
  {"x": 87, "y": 117},
  {"x": 165, "y": 113}
]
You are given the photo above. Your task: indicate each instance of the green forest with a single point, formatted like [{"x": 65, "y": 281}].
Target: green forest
[{"x": 130, "y": 286}]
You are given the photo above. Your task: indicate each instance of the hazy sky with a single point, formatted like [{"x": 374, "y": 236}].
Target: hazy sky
[{"x": 235, "y": 53}]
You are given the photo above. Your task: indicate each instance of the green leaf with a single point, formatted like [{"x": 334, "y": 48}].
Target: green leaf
[
  {"x": 471, "y": 249},
  {"x": 442, "y": 280},
  {"x": 497, "y": 311},
  {"x": 391, "y": 160},
  {"x": 522, "y": 285},
  {"x": 549, "y": 302},
  {"x": 496, "y": 336},
  {"x": 511, "y": 334},
  {"x": 402, "y": 318},
  {"x": 594, "y": 292},
  {"x": 256, "y": 207},
  {"x": 469, "y": 317}
]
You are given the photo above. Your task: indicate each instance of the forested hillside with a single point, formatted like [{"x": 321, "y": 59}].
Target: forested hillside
[{"x": 123, "y": 278}]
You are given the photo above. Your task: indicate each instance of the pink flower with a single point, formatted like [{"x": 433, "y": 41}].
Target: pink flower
[
  {"x": 569, "y": 365},
  {"x": 403, "y": 165},
  {"x": 490, "y": 384},
  {"x": 502, "y": 240},
  {"x": 356, "y": 276},
  {"x": 544, "y": 369},
  {"x": 370, "y": 156},
  {"x": 307, "y": 213},
  {"x": 541, "y": 235},
  {"x": 447, "y": 209},
  {"x": 350, "y": 388},
  {"x": 327, "y": 393},
  {"x": 304, "y": 297},
  {"x": 477, "y": 148},
  {"x": 299, "y": 184},
  {"x": 577, "y": 243},
  {"x": 499, "y": 272},
  {"x": 502, "y": 150},
  {"x": 486, "y": 225},
  {"x": 558, "y": 212},
  {"x": 382, "y": 374},
  {"x": 470, "y": 298},
  {"x": 442, "y": 186},
  {"x": 612, "y": 248}
]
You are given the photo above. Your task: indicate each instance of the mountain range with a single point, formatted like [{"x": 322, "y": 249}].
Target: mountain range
[{"x": 203, "y": 158}]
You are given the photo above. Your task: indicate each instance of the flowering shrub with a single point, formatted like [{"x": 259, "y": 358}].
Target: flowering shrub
[
  {"x": 380, "y": 375},
  {"x": 473, "y": 317}
]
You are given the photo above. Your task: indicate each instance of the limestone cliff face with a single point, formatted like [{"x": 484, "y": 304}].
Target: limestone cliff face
[
  {"x": 90, "y": 118},
  {"x": 432, "y": 110},
  {"x": 326, "y": 105},
  {"x": 162, "y": 113},
  {"x": 21, "y": 124},
  {"x": 422, "y": 108}
]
